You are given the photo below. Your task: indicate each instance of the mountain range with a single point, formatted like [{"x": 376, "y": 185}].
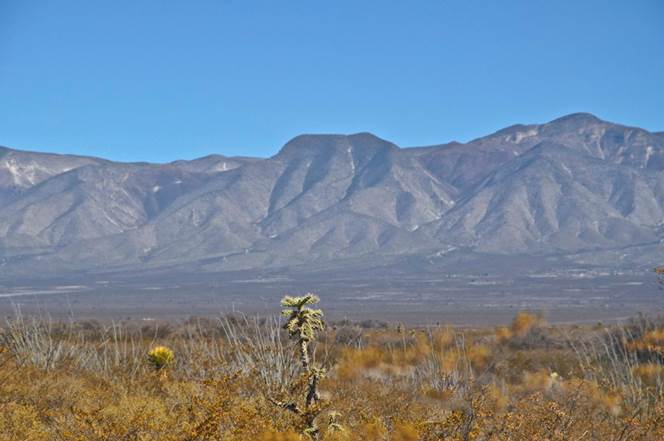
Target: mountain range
[{"x": 576, "y": 189}]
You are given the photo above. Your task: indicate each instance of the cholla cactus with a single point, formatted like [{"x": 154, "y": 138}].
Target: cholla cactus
[
  {"x": 303, "y": 322},
  {"x": 160, "y": 357}
]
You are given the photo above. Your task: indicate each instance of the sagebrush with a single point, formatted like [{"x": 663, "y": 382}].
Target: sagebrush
[{"x": 524, "y": 381}]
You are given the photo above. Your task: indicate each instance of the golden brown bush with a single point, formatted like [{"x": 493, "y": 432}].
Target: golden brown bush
[
  {"x": 524, "y": 322},
  {"x": 80, "y": 384}
]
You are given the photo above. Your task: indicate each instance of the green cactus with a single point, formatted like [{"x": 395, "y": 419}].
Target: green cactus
[
  {"x": 302, "y": 325},
  {"x": 303, "y": 322}
]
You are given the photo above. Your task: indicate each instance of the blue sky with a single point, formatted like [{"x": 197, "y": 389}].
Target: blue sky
[{"x": 158, "y": 81}]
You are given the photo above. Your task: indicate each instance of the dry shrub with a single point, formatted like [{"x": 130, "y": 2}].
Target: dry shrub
[
  {"x": 405, "y": 432},
  {"x": 651, "y": 374},
  {"x": 524, "y": 322},
  {"x": 76, "y": 382},
  {"x": 280, "y": 436},
  {"x": 22, "y": 422}
]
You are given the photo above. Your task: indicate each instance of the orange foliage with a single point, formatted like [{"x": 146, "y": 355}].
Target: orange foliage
[
  {"x": 523, "y": 322},
  {"x": 401, "y": 385}
]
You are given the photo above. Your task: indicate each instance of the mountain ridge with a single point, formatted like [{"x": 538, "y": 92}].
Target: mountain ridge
[{"x": 572, "y": 185}]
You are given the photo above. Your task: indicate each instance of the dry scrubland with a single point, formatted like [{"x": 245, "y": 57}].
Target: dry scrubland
[{"x": 239, "y": 378}]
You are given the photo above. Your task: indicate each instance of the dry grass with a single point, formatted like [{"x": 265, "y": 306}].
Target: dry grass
[{"x": 524, "y": 381}]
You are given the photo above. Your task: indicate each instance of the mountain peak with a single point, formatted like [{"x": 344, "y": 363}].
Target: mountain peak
[
  {"x": 314, "y": 143},
  {"x": 577, "y": 118}
]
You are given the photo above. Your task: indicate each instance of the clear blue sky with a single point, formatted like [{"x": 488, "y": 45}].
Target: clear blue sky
[{"x": 161, "y": 80}]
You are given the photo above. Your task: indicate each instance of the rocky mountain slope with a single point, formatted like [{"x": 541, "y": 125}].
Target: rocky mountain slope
[{"x": 574, "y": 186}]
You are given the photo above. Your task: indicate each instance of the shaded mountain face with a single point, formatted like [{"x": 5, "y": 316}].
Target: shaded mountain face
[{"x": 574, "y": 185}]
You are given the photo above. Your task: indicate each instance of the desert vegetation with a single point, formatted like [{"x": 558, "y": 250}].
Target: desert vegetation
[{"x": 297, "y": 378}]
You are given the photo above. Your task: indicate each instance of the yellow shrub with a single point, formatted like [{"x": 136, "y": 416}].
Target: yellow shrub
[
  {"x": 372, "y": 431},
  {"x": 649, "y": 373},
  {"x": 479, "y": 355},
  {"x": 523, "y": 322},
  {"x": 651, "y": 341},
  {"x": 280, "y": 436},
  {"x": 503, "y": 334},
  {"x": 21, "y": 422},
  {"x": 405, "y": 432},
  {"x": 160, "y": 357}
]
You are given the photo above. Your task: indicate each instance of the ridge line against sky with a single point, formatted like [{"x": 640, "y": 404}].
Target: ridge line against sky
[
  {"x": 269, "y": 154},
  {"x": 150, "y": 81}
]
